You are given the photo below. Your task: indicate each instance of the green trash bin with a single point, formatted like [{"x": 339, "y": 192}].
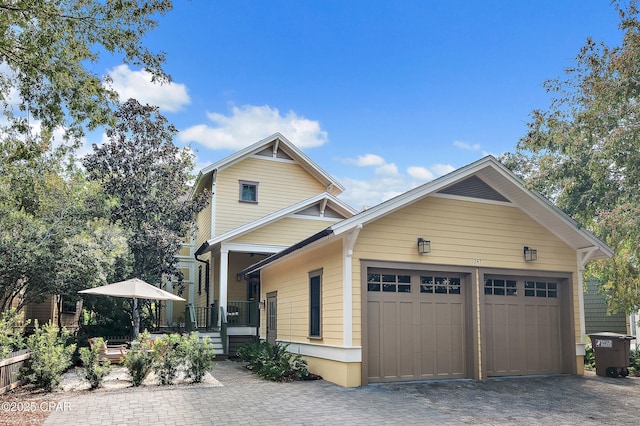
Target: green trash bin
[{"x": 612, "y": 353}]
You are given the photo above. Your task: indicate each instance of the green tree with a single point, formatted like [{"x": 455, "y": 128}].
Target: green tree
[
  {"x": 148, "y": 175},
  {"x": 47, "y": 48},
  {"x": 52, "y": 237},
  {"x": 583, "y": 152}
]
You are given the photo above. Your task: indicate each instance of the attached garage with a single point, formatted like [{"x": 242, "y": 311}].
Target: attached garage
[
  {"x": 470, "y": 304},
  {"x": 416, "y": 325}
]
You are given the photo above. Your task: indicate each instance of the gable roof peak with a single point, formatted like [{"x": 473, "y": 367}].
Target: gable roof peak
[{"x": 293, "y": 151}]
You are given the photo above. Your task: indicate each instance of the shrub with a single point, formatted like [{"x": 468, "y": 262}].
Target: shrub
[
  {"x": 11, "y": 329},
  {"x": 589, "y": 357},
  {"x": 50, "y": 358},
  {"x": 139, "y": 359},
  {"x": 273, "y": 362},
  {"x": 198, "y": 355},
  {"x": 168, "y": 354},
  {"x": 634, "y": 362},
  {"x": 94, "y": 369}
]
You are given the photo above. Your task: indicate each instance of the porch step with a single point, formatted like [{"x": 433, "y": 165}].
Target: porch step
[{"x": 216, "y": 340}]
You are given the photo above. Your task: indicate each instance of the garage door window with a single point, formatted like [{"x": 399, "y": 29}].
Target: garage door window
[
  {"x": 389, "y": 283},
  {"x": 500, "y": 287},
  {"x": 439, "y": 285},
  {"x": 540, "y": 289}
]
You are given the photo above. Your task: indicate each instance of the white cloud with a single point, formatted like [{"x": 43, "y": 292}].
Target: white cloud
[
  {"x": 366, "y": 160},
  {"x": 442, "y": 169},
  {"x": 387, "y": 170},
  {"x": 420, "y": 173},
  {"x": 467, "y": 146},
  {"x": 137, "y": 84},
  {"x": 470, "y": 147},
  {"x": 386, "y": 181},
  {"x": 249, "y": 123}
]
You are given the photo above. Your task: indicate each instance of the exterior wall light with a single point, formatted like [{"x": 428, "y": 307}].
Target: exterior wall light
[
  {"x": 424, "y": 246},
  {"x": 530, "y": 254}
]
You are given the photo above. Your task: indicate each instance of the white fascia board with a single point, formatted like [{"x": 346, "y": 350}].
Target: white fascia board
[
  {"x": 252, "y": 248},
  {"x": 298, "y": 155},
  {"x": 486, "y": 163},
  {"x": 528, "y": 196},
  {"x": 410, "y": 196}
]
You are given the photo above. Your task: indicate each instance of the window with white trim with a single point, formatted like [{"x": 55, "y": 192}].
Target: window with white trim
[
  {"x": 248, "y": 191},
  {"x": 315, "y": 304}
]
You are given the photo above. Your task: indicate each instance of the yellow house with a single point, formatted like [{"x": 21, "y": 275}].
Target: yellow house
[
  {"x": 264, "y": 198},
  {"x": 468, "y": 276}
]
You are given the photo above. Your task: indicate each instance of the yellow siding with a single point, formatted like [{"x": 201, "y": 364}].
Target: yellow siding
[
  {"x": 347, "y": 374},
  {"x": 464, "y": 233},
  {"x": 291, "y": 281},
  {"x": 203, "y": 222},
  {"x": 280, "y": 184},
  {"x": 285, "y": 232}
]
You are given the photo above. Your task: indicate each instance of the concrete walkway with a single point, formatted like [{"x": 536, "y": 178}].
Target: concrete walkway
[{"x": 240, "y": 398}]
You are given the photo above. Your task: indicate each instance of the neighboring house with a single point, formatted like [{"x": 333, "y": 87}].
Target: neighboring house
[
  {"x": 264, "y": 198},
  {"x": 596, "y": 317},
  {"x": 468, "y": 276},
  {"x": 47, "y": 310}
]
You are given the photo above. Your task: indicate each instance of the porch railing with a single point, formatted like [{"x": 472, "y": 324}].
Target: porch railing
[{"x": 240, "y": 313}]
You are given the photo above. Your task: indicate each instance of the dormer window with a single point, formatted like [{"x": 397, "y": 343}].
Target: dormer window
[{"x": 248, "y": 191}]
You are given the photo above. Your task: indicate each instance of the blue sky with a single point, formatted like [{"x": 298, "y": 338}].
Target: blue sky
[{"x": 383, "y": 95}]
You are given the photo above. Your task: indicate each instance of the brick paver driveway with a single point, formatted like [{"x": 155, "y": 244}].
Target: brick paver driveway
[{"x": 245, "y": 399}]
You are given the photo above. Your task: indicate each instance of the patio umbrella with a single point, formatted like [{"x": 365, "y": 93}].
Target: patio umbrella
[{"x": 134, "y": 289}]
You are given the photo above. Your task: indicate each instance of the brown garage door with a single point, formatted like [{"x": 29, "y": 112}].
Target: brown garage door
[
  {"x": 522, "y": 326},
  {"x": 415, "y": 325}
]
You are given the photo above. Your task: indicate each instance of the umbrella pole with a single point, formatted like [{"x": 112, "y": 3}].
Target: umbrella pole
[{"x": 136, "y": 319}]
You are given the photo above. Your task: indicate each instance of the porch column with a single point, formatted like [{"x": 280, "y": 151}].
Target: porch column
[
  {"x": 224, "y": 277},
  {"x": 348, "y": 243},
  {"x": 584, "y": 255}
]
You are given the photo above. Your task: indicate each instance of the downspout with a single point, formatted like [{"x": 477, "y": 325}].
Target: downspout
[{"x": 198, "y": 252}]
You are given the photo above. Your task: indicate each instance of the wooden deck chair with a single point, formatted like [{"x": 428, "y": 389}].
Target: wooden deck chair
[{"x": 114, "y": 353}]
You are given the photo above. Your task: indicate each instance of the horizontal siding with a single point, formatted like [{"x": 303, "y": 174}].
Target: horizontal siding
[
  {"x": 286, "y": 231},
  {"x": 280, "y": 184},
  {"x": 464, "y": 233},
  {"x": 595, "y": 313},
  {"x": 203, "y": 223},
  {"x": 291, "y": 281}
]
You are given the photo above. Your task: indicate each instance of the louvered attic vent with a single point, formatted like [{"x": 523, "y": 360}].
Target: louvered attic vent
[{"x": 473, "y": 187}]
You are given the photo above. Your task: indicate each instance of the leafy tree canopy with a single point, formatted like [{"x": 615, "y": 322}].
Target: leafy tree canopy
[
  {"x": 583, "y": 152},
  {"x": 47, "y": 46},
  {"x": 53, "y": 235},
  {"x": 148, "y": 176}
]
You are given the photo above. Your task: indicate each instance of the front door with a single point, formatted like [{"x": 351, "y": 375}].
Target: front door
[{"x": 272, "y": 317}]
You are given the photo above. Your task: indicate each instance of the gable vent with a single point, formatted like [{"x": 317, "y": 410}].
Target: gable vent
[
  {"x": 268, "y": 152},
  {"x": 473, "y": 187}
]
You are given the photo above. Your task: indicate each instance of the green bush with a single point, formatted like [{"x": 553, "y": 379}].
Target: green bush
[
  {"x": 11, "y": 330},
  {"x": 589, "y": 357},
  {"x": 139, "y": 359},
  {"x": 50, "y": 358},
  {"x": 634, "y": 362},
  {"x": 273, "y": 362},
  {"x": 93, "y": 368},
  {"x": 198, "y": 355},
  {"x": 168, "y": 354}
]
